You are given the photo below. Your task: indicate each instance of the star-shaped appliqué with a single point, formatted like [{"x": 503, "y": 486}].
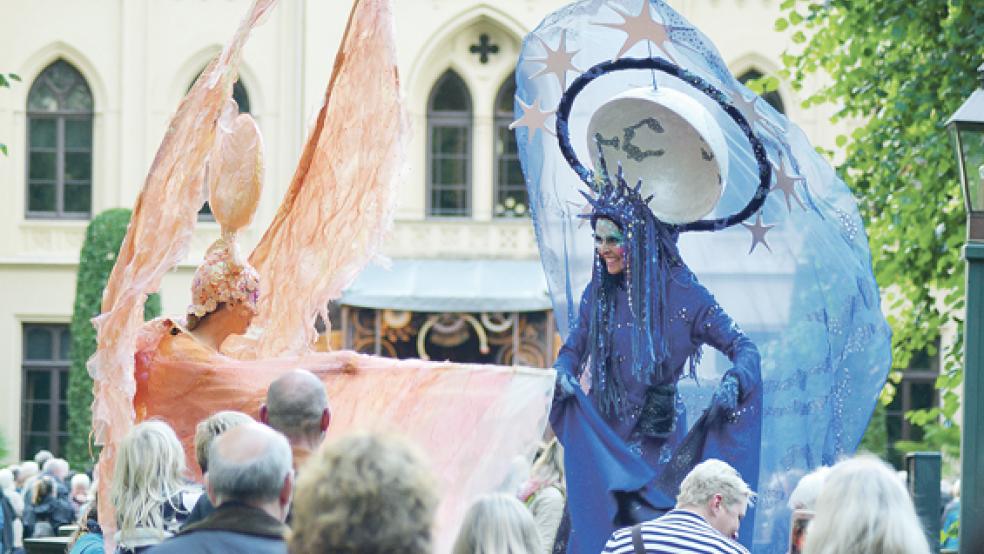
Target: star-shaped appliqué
[
  {"x": 747, "y": 107},
  {"x": 787, "y": 184},
  {"x": 556, "y": 62},
  {"x": 534, "y": 117},
  {"x": 638, "y": 28},
  {"x": 758, "y": 231}
]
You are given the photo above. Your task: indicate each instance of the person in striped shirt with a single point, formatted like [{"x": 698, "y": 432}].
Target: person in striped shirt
[{"x": 712, "y": 502}]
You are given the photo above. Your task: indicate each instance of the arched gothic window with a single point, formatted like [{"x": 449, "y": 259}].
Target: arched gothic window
[
  {"x": 510, "y": 197},
  {"x": 772, "y": 97},
  {"x": 59, "y": 138},
  {"x": 449, "y": 127}
]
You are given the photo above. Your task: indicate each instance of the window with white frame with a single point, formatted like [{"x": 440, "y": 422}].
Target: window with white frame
[
  {"x": 59, "y": 138},
  {"x": 449, "y": 128},
  {"x": 44, "y": 392}
]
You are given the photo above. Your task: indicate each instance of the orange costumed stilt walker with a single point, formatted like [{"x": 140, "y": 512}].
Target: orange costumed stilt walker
[{"x": 251, "y": 320}]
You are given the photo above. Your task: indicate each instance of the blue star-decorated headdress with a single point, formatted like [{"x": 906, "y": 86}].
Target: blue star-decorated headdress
[{"x": 650, "y": 253}]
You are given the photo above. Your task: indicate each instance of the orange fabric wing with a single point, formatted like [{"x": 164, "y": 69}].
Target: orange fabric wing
[
  {"x": 340, "y": 202},
  {"x": 157, "y": 239}
]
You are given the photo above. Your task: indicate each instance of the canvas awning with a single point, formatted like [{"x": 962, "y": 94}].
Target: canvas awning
[{"x": 451, "y": 286}]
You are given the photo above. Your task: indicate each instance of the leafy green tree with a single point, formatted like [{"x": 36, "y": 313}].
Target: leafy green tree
[
  {"x": 900, "y": 69},
  {"x": 102, "y": 244},
  {"x": 5, "y": 79}
]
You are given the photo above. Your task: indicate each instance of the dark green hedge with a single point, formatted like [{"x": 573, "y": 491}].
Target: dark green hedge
[{"x": 102, "y": 244}]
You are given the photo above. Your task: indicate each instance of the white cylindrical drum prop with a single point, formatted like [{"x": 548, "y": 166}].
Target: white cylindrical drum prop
[{"x": 668, "y": 140}]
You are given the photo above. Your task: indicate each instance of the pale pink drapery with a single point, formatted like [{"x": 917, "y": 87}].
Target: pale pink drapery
[{"x": 471, "y": 421}]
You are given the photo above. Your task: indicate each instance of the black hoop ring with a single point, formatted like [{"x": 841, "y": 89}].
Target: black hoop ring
[{"x": 586, "y": 175}]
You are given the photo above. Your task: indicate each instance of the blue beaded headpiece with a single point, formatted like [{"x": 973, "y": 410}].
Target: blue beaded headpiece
[{"x": 650, "y": 254}]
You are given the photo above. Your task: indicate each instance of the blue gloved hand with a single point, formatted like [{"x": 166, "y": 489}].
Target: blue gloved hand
[
  {"x": 725, "y": 399},
  {"x": 565, "y": 386}
]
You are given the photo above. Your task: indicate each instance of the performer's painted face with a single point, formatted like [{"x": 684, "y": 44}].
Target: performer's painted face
[{"x": 610, "y": 245}]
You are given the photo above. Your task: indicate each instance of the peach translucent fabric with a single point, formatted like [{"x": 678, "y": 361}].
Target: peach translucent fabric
[
  {"x": 341, "y": 200},
  {"x": 158, "y": 237},
  {"x": 235, "y": 173},
  {"x": 472, "y": 421}
]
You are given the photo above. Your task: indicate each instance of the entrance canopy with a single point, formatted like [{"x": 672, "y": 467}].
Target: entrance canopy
[{"x": 452, "y": 286}]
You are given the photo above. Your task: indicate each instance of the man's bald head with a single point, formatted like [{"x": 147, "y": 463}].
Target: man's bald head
[
  {"x": 249, "y": 463},
  {"x": 297, "y": 406}
]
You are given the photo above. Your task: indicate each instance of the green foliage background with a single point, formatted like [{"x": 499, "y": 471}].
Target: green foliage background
[
  {"x": 901, "y": 68},
  {"x": 102, "y": 243},
  {"x": 5, "y": 80}
]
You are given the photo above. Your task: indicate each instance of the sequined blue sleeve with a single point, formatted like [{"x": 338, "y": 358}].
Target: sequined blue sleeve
[
  {"x": 571, "y": 354},
  {"x": 715, "y": 327}
]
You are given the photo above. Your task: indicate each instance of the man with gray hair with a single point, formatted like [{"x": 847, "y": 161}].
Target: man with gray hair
[
  {"x": 251, "y": 481},
  {"x": 297, "y": 406},
  {"x": 712, "y": 502},
  {"x": 206, "y": 432}
]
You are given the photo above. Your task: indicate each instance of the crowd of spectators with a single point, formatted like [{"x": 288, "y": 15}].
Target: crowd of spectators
[
  {"x": 35, "y": 501},
  {"x": 271, "y": 487}
]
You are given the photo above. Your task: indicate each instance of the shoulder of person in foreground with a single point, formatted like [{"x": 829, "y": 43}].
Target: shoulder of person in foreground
[{"x": 89, "y": 543}]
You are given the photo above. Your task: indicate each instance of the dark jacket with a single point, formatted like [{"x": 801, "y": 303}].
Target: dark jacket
[
  {"x": 233, "y": 527},
  {"x": 203, "y": 508},
  {"x": 56, "y": 510}
]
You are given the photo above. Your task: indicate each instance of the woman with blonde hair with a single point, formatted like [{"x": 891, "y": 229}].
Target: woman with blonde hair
[
  {"x": 148, "y": 481},
  {"x": 497, "y": 524},
  {"x": 864, "y": 509},
  {"x": 545, "y": 493}
]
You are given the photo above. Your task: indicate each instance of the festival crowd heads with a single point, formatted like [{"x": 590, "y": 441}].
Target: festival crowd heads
[{"x": 674, "y": 209}]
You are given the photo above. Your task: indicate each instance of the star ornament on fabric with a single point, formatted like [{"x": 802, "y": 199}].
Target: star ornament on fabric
[
  {"x": 534, "y": 117},
  {"x": 638, "y": 28},
  {"x": 747, "y": 107},
  {"x": 758, "y": 231},
  {"x": 787, "y": 184},
  {"x": 556, "y": 62}
]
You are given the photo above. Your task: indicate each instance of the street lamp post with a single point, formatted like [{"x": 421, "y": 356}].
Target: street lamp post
[{"x": 967, "y": 129}]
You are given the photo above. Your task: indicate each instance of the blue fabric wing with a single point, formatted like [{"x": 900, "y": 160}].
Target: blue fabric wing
[{"x": 797, "y": 276}]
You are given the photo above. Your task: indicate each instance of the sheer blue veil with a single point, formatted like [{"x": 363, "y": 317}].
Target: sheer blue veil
[{"x": 796, "y": 275}]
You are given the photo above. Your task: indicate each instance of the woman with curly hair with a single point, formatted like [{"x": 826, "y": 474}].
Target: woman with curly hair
[{"x": 364, "y": 493}]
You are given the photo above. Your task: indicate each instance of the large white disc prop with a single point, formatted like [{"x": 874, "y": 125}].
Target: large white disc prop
[{"x": 670, "y": 142}]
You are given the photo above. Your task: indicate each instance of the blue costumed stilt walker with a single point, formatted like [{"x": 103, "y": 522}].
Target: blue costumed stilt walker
[{"x": 673, "y": 139}]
